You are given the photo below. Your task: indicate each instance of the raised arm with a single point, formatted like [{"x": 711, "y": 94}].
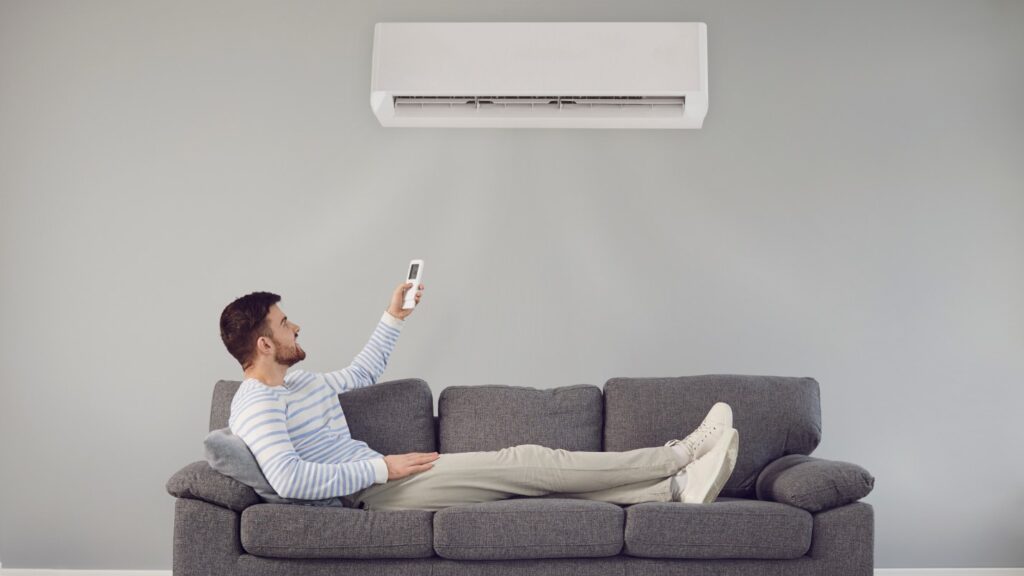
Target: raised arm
[
  {"x": 370, "y": 363},
  {"x": 259, "y": 420}
]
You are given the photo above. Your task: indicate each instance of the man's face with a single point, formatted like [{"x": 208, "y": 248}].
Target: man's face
[{"x": 285, "y": 333}]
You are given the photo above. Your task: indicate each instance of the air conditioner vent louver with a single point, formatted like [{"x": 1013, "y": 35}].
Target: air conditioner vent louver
[
  {"x": 507, "y": 106},
  {"x": 544, "y": 100}
]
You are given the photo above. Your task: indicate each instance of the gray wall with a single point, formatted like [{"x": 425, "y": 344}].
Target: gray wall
[{"x": 853, "y": 210}]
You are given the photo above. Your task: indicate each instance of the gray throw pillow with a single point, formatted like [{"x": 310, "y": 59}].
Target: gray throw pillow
[
  {"x": 229, "y": 455},
  {"x": 813, "y": 484}
]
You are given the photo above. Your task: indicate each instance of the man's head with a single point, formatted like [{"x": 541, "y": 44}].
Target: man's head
[{"x": 255, "y": 330}]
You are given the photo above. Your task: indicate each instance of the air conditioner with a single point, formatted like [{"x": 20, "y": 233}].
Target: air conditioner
[{"x": 540, "y": 74}]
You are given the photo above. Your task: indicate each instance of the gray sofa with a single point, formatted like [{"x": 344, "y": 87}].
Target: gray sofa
[{"x": 782, "y": 512}]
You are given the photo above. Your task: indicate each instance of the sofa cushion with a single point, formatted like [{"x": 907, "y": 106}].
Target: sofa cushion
[
  {"x": 520, "y": 528},
  {"x": 492, "y": 417},
  {"x": 726, "y": 528},
  {"x": 289, "y": 531},
  {"x": 201, "y": 482},
  {"x": 393, "y": 417},
  {"x": 774, "y": 416},
  {"x": 814, "y": 484}
]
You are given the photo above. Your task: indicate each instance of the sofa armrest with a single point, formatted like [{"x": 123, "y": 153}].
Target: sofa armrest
[
  {"x": 813, "y": 484},
  {"x": 200, "y": 482}
]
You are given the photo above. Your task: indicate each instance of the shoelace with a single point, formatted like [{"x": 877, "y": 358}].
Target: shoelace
[{"x": 695, "y": 439}]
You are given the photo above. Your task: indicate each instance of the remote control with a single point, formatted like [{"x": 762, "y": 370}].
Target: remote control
[{"x": 415, "y": 275}]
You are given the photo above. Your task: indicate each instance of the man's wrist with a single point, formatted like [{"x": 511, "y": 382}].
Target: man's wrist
[
  {"x": 380, "y": 470},
  {"x": 392, "y": 320}
]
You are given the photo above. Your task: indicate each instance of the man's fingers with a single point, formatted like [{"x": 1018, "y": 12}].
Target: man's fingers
[{"x": 419, "y": 457}]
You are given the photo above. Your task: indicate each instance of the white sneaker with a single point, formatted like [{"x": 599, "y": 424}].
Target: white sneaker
[
  {"x": 701, "y": 440},
  {"x": 706, "y": 476}
]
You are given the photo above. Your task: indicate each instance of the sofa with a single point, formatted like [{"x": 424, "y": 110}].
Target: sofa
[{"x": 782, "y": 512}]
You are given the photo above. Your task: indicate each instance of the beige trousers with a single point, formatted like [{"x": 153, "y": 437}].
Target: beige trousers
[{"x": 640, "y": 475}]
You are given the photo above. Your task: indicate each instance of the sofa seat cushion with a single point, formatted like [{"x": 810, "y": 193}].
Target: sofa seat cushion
[
  {"x": 297, "y": 531},
  {"x": 726, "y": 528},
  {"x": 523, "y": 528}
]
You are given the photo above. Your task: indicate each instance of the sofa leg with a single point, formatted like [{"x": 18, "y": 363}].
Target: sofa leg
[
  {"x": 843, "y": 541},
  {"x": 207, "y": 539}
]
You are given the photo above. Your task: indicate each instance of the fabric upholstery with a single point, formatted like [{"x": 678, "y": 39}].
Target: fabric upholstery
[
  {"x": 843, "y": 541},
  {"x": 200, "y": 482},
  {"x": 726, "y": 528},
  {"x": 842, "y": 544},
  {"x": 249, "y": 565},
  {"x": 228, "y": 455},
  {"x": 529, "y": 528},
  {"x": 394, "y": 417},
  {"x": 205, "y": 539},
  {"x": 288, "y": 531},
  {"x": 492, "y": 417},
  {"x": 813, "y": 484},
  {"x": 220, "y": 407},
  {"x": 774, "y": 416}
]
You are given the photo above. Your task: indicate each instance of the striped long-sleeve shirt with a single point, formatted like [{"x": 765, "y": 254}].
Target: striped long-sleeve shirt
[{"x": 298, "y": 431}]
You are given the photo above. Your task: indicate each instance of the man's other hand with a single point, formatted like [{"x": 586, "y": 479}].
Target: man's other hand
[
  {"x": 402, "y": 465},
  {"x": 395, "y": 308}
]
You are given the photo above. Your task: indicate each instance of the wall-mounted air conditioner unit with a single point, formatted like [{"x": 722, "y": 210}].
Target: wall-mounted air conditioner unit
[{"x": 540, "y": 74}]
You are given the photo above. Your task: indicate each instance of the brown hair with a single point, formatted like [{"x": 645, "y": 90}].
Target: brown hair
[{"x": 242, "y": 323}]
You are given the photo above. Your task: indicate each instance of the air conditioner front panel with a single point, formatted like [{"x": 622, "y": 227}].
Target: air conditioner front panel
[
  {"x": 539, "y": 57},
  {"x": 485, "y": 67}
]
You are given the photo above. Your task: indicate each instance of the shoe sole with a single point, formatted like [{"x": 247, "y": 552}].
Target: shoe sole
[{"x": 725, "y": 468}]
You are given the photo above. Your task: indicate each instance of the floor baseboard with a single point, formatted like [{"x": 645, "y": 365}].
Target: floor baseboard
[
  {"x": 949, "y": 571},
  {"x": 50, "y": 572},
  {"x": 878, "y": 572}
]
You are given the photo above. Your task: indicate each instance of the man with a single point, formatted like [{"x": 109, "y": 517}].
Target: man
[{"x": 294, "y": 425}]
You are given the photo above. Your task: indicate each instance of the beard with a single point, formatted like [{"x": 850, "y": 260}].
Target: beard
[{"x": 289, "y": 356}]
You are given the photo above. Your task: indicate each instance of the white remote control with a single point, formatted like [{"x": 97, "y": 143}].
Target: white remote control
[{"x": 415, "y": 275}]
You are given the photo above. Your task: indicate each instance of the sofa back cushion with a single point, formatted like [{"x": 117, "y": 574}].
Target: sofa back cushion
[
  {"x": 494, "y": 416},
  {"x": 393, "y": 417},
  {"x": 774, "y": 416}
]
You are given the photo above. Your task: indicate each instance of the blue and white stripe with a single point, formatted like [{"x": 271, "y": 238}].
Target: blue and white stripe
[{"x": 298, "y": 431}]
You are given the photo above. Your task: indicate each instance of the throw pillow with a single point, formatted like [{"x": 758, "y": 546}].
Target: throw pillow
[{"x": 813, "y": 484}]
